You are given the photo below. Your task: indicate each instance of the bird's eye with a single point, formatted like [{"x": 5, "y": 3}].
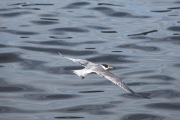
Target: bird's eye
[{"x": 106, "y": 66}]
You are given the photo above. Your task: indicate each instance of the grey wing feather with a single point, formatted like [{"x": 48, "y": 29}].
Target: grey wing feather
[
  {"x": 119, "y": 82},
  {"x": 116, "y": 80},
  {"x": 72, "y": 59},
  {"x": 80, "y": 61}
]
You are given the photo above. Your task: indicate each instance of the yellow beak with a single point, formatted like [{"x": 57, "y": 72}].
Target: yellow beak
[{"x": 110, "y": 67}]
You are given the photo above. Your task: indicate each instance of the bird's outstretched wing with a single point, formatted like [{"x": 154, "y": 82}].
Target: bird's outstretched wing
[
  {"x": 108, "y": 75},
  {"x": 80, "y": 61}
]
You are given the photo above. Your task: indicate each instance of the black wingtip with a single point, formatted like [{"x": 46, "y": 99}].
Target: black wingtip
[
  {"x": 136, "y": 94},
  {"x": 142, "y": 96},
  {"x": 146, "y": 97}
]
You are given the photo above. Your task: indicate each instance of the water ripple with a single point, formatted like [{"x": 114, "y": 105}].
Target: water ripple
[
  {"x": 27, "y": 4},
  {"x": 134, "y": 46},
  {"x": 160, "y": 11},
  {"x": 98, "y": 27},
  {"x": 15, "y": 14},
  {"x": 172, "y": 39},
  {"x": 56, "y": 50},
  {"x": 111, "y": 58},
  {"x": 177, "y": 65},
  {"x": 68, "y": 29},
  {"x": 167, "y": 93},
  {"x": 32, "y": 64},
  {"x": 139, "y": 72},
  {"x": 69, "y": 117},
  {"x": 110, "y": 4},
  {"x": 13, "y": 88},
  {"x": 16, "y": 88},
  {"x": 18, "y": 32},
  {"x": 147, "y": 83},
  {"x": 109, "y": 31},
  {"x": 91, "y": 109},
  {"x": 91, "y": 91},
  {"x": 5, "y": 109},
  {"x": 27, "y": 64},
  {"x": 50, "y": 96},
  {"x": 143, "y": 33},
  {"x": 76, "y": 5},
  {"x": 142, "y": 116},
  {"x": 110, "y": 12},
  {"x": 9, "y": 57},
  {"x": 174, "y": 8},
  {"x": 159, "y": 77},
  {"x": 164, "y": 105},
  {"x": 65, "y": 43},
  {"x": 44, "y": 22},
  {"x": 174, "y": 28}
]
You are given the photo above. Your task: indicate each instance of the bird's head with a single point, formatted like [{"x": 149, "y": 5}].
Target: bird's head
[{"x": 106, "y": 67}]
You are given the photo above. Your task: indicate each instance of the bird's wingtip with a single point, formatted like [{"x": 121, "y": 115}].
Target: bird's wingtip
[
  {"x": 146, "y": 97},
  {"x": 142, "y": 96}
]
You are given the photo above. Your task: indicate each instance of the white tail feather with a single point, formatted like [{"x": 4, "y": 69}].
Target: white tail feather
[{"x": 81, "y": 73}]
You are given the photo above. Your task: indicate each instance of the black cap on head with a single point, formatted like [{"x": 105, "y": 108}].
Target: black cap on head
[{"x": 106, "y": 66}]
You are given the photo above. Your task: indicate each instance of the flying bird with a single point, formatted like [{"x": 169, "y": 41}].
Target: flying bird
[{"x": 101, "y": 70}]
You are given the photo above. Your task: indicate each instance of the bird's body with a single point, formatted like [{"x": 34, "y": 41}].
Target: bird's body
[{"x": 101, "y": 70}]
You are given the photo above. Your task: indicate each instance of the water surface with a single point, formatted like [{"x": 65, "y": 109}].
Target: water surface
[{"x": 140, "y": 39}]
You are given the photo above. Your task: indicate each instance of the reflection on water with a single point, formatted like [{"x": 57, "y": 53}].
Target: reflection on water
[{"x": 140, "y": 39}]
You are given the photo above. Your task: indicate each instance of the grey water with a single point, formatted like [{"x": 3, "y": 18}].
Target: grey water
[{"x": 140, "y": 39}]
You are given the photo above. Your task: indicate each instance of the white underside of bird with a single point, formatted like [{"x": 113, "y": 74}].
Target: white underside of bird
[{"x": 101, "y": 70}]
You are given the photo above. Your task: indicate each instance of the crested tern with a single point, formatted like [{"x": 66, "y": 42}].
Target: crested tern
[{"x": 101, "y": 70}]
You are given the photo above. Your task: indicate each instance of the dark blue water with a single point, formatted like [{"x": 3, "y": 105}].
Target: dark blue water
[{"x": 140, "y": 39}]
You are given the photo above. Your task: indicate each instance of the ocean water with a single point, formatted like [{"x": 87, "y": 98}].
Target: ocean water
[{"x": 140, "y": 39}]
